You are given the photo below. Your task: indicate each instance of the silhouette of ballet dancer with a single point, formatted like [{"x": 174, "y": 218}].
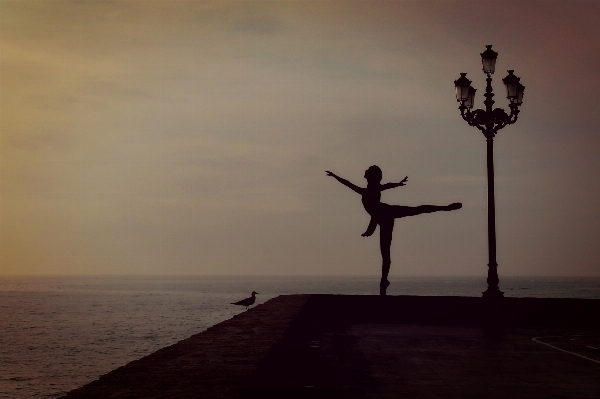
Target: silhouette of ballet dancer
[{"x": 383, "y": 214}]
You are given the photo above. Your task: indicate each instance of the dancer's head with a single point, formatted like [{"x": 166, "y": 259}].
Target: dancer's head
[{"x": 373, "y": 174}]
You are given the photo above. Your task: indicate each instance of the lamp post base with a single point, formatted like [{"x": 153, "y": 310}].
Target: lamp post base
[{"x": 493, "y": 292}]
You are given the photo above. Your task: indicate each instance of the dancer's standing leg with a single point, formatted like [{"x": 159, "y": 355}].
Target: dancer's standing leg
[{"x": 386, "y": 229}]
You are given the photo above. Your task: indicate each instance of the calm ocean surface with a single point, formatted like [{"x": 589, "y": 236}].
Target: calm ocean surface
[{"x": 58, "y": 333}]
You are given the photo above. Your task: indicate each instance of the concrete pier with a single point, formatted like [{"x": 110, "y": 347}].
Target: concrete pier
[{"x": 328, "y": 346}]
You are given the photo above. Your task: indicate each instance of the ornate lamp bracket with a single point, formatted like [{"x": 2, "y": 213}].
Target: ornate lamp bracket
[
  {"x": 499, "y": 119},
  {"x": 514, "y": 114},
  {"x": 473, "y": 118}
]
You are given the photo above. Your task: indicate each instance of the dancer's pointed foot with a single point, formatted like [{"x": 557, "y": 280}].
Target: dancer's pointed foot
[
  {"x": 454, "y": 206},
  {"x": 383, "y": 286}
]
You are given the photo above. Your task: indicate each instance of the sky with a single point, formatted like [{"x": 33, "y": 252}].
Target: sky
[{"x": 192, "y": 138}]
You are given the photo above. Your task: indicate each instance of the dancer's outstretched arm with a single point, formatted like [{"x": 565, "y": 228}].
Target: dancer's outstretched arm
[
  {"x": 370, "y": 229},
  {"x": 393, "y": 185},
  {"x": 346, "y": 183}
]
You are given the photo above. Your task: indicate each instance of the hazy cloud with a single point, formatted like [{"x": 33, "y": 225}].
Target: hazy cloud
[{"x": 193, "y": 137}]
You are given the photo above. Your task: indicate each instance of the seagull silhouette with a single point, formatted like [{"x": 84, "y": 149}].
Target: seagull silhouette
[{"x": 248, "y": 301}]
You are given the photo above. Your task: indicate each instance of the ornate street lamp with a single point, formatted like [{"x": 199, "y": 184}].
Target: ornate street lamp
[{"x": 489, "y": 121}]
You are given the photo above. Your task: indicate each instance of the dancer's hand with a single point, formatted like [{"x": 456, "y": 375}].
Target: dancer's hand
[
  {"x": 387, "y": 186},
  {"x": 370, "y": 229},
  {"x": 346, "y": 183}
]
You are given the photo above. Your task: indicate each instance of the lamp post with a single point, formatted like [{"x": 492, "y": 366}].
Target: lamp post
[{"x": 489, "y": 121}]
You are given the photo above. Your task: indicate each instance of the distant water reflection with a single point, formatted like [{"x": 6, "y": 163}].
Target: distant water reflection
[{"x": 58, "y": 333}]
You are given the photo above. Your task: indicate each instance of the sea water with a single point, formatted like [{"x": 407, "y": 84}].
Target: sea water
[{"x": 59, "y": 333}]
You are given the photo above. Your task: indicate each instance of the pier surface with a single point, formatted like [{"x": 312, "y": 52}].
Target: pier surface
[{"x": 343, "y": 346}]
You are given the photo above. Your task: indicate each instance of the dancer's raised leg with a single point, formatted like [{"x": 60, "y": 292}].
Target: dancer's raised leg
[
  {"x": 399, "y": 211},
  {"x": 386, "y": 229}
]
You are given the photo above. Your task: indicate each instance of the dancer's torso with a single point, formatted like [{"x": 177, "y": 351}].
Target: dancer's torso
[{"x": 371, "y": 199}]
